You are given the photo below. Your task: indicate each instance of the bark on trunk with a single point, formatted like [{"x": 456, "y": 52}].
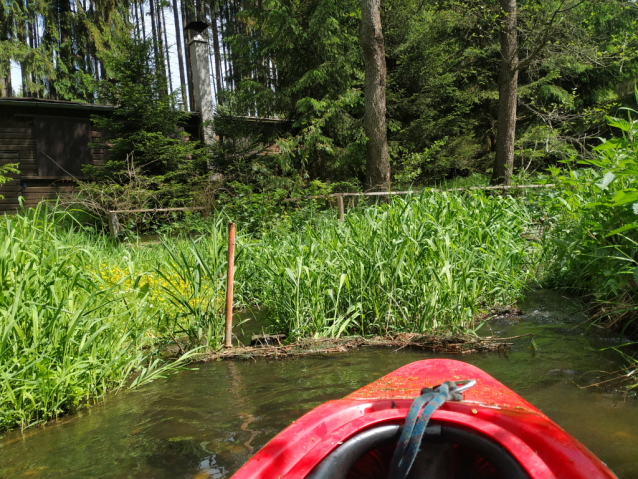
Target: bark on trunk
[
  {"x": 507, "y": 84},
  {"x": 218, "y": 71},
  {"x": 200, "y": 11},
  {"x": 377, "y": 163},
  {"x": 32, "y": 44},
  {"x": 180, "y": 55},
  {"x": 22, "y": 38},
  {"x": 228, "y": 52},
  {"x": 186, "y": 17},
  {"x": 142, "y": 14},
  {"x": 223, "y": 24},
  {"x": 167, "y": 52},
  {"x": 154, "y": 30},
  {"x": 137, "y": 21}
]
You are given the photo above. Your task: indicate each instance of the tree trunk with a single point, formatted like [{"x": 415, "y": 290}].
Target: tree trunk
[
  {"x": 22, "y": 38},
  {"x": 50, "y": 44},
  {"x": 66, "y": 40},
  {"x": 180, "y": 54},
  {"x": 96, "y": 66},
  {"x": 142, "y": 14},
  {"x": 32, "y": 44},
  {"x": 223, "y": 24},
  {"x": 507, "y": 84},
  {"x": 167, "y": 52},
  {"x": 186, "y": 17},
  {"x": 228, "y": 53},
  {"x": 8, "y": 85},
  {"x": 161, "y": 67},
  {"x": 137, "y": 21},
  {"x": 218, "y": 71},
  {"x": 154, "y": 30},
  {"x": 199, "y": 10},
  {"x": 377, "y": 162}
]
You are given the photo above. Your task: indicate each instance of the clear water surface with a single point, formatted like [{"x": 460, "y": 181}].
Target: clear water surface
[{"x": 206, "y": 423}]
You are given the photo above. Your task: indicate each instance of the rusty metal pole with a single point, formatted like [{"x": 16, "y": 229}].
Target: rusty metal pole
[
  {"x": 229, "y": 286},
  {"x": 340, "y": 211}
]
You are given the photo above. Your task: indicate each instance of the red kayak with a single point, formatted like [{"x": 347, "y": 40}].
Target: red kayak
[{"x": 491, "y": 433}]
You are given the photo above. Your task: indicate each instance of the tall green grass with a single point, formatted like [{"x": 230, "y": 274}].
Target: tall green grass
[
  {"x": 66, "y": 336},
  {"x": 592, "y": 245},
  {"x": 79, "y": 315},
  {"x": 418, "y": 264}
]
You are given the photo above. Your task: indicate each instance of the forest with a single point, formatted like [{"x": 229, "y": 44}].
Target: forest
[
  {"x": 303, "y": 62},
  {"x": 342, "y": 97}
]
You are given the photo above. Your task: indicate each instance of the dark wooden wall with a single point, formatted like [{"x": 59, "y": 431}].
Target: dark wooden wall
[
  {"x": 40, "y": 178},
  {"x": 50, "y": 144}
]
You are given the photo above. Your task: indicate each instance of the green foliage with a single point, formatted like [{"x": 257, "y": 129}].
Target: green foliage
[
  {"x": 7, "y": 169},
  {"x": 78, "y": 314},
  {"x": 417, "y": 264},
  {"x": 595, "y": 216},
  {"x": 150, "y": 158},
  {"x": 67, "y": 334},
  {"x": 442, "y": 62},
  {"x": 193, "y": 282},
  {"x": 58, "y": 57}
]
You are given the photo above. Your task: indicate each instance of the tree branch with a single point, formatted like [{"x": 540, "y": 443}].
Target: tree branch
[{"x": 543, "y": 42}]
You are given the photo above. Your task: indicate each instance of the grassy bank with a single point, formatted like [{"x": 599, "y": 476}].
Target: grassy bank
[
  {"x": 79, "y": 315},
  {"x": 592, "y": 223},
  {"x": 421, "y": 264}
]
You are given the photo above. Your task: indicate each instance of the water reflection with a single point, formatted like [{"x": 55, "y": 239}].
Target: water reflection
[{"x": 206, "y": 423}]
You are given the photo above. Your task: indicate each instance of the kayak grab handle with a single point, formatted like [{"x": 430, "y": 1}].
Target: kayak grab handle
[{"x": 462, "y": 386}]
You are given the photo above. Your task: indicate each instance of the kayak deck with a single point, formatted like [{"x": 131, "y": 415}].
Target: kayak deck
[{"x": 490, "y": 411}]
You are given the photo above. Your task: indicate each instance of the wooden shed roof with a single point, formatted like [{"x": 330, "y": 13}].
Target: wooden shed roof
[{"x": 48, "y": 104}]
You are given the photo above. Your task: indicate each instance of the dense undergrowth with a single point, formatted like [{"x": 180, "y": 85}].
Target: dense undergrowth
[
  {"x": 592, "y": 224},
  {"x": 424, "y": 263},
  {"x": 78, "y": 314},
  {"x": 67, "y": 333}
]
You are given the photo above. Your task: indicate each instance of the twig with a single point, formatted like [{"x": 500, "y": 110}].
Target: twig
[
  {"x": 178, "y": 345},
  {"x": 59, "y": 166}
]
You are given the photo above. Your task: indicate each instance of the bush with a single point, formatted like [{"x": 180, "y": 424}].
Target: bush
[{"x": 593, "y": 245}]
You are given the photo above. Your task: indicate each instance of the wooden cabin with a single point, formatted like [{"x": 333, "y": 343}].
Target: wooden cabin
[{"x": 49, "y": 140}]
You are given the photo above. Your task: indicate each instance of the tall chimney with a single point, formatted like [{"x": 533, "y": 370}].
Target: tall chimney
[{"x": 201, "y": 80}]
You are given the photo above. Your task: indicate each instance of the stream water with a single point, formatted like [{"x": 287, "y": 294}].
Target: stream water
[{"x": 206, "y": 423}]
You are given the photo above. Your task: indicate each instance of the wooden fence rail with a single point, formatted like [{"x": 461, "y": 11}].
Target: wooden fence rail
[
  {"x": 115, "y": 228},
  {"x": 389, "y": 193},
  {"x": 340, "y": 196}
]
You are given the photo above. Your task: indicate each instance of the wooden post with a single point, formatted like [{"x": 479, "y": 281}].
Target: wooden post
[
  {"x": 229, "y": 286},
  {"x": 340, "y": 210},
  {"x": 114, "y": 225}
]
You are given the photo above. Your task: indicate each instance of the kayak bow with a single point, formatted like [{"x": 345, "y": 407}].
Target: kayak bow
[{"x": 491, "y": 433}]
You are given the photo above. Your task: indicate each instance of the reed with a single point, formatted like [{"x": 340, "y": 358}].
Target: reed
[
  {"x": 79, "y": 315},
  {"x": 418, "y": 264},
  {"x": 67, "y": 335}
]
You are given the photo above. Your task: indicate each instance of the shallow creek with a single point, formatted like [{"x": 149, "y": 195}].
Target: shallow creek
[{"x": 206, "y": 423}]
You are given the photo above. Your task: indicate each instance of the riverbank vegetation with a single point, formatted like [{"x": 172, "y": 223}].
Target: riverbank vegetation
[
  {"x": 80, "y": 314},
  {"x": 593, "y": 242}
]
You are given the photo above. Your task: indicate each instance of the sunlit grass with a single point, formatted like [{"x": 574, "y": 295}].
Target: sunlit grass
[
  {"x": 423, "y": 263},
  {"x": 78, "y": 314}
]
